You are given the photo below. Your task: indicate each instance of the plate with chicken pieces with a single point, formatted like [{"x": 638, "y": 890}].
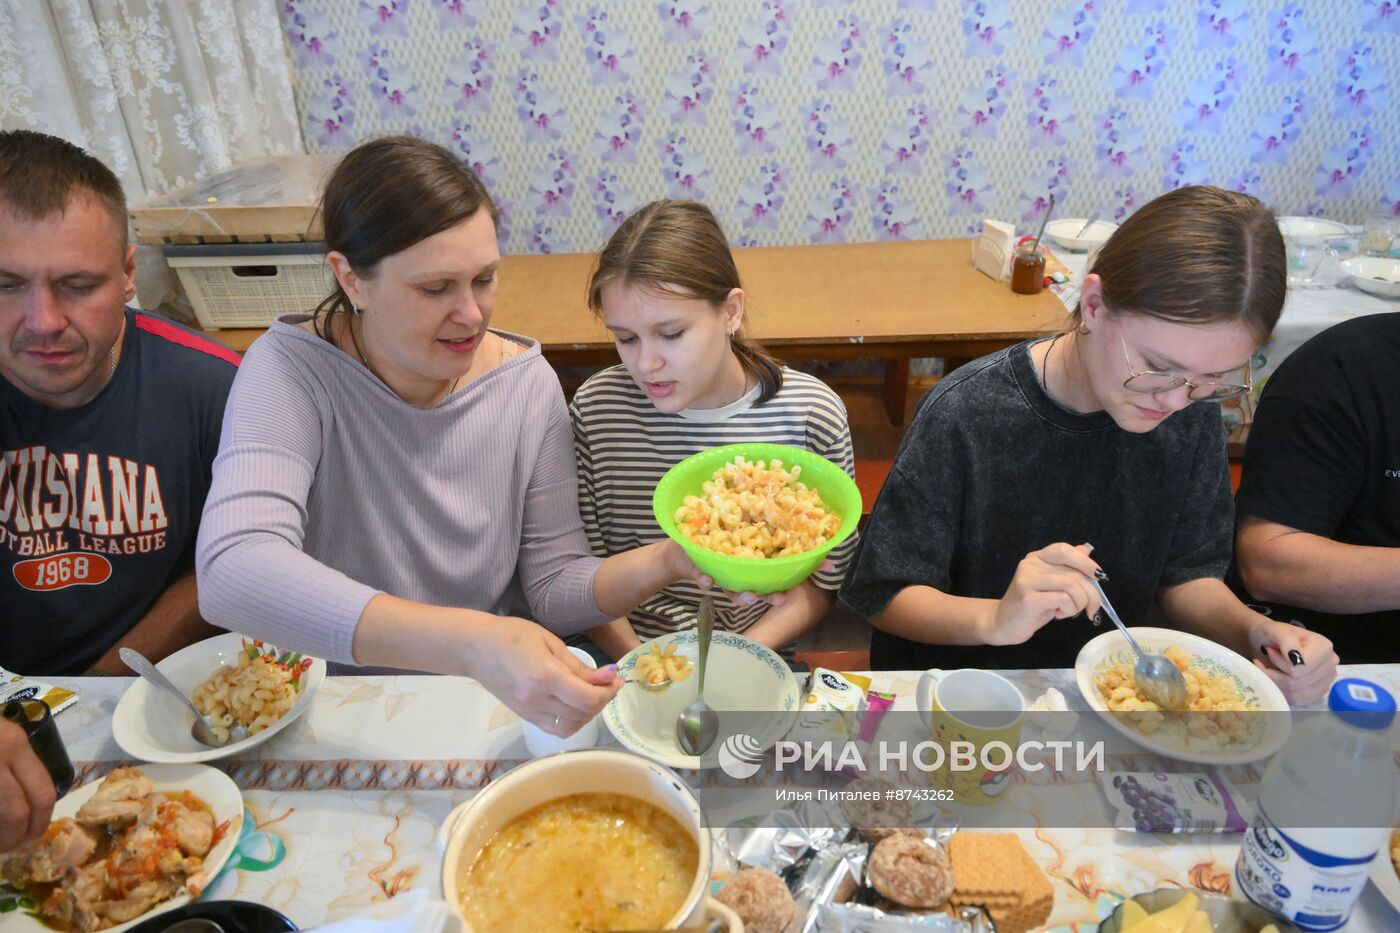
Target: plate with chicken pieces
[{"x": 137, "y": 843}]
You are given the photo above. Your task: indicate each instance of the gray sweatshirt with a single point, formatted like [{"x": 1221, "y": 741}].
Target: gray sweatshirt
[{"x": 329, "y": 489}]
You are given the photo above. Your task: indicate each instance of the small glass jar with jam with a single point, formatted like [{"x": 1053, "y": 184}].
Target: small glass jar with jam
[{"x": 1028, "y": 269}]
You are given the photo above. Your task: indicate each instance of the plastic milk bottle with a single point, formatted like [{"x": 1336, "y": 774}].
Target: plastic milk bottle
[{"x": 1324, "y": 810}]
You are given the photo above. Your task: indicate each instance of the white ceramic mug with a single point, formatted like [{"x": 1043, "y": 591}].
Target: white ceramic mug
[
  {"x": 541, "y": 743},
  {"x": 471, "y": 825}
]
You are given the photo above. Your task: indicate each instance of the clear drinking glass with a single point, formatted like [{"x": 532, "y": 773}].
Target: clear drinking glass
[
  {"x": 1305, "y": 254},
  {"x": 1380, "y": 234}
]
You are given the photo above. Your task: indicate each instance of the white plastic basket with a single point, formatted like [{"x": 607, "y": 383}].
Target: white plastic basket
[{"x": 250, "y": 284}]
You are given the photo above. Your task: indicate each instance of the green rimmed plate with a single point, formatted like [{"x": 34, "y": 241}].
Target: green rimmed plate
[
  {"x": 749, "y": 685},
  {"x": 1266, "y": 733}
]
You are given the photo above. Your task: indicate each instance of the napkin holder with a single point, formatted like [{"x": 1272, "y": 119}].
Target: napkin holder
[{"x": 991, "y": 252}]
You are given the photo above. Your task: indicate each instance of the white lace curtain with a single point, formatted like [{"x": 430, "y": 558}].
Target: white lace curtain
[{"x": 163, "y": 91}]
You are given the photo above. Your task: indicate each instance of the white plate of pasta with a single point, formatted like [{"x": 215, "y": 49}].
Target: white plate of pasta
[
  {"x": 1235, "y": 713},
  {"x": 748, "y": 684},
  {"x": 237, "y": 681}
]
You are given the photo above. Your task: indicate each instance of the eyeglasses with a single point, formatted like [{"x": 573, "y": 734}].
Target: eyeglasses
[{"x": 1149, "y": 382}]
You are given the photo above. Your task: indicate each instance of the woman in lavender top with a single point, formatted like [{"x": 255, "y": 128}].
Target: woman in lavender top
[{"x": 395, "y": 483}]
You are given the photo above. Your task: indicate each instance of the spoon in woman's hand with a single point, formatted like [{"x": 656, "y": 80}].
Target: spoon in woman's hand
[
  {"x": 648, "y": 685},
  {"x": 201, "y": 730}
]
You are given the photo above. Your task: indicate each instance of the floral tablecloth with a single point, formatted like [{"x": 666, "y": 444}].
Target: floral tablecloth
[{"x": 344, "y": 805}]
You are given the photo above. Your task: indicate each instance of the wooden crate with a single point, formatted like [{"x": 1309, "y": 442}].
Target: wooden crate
[{"x": 272, "y": 200}]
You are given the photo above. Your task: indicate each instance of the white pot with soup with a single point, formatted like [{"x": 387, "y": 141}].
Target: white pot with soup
[{"x": 588, "y": 840}]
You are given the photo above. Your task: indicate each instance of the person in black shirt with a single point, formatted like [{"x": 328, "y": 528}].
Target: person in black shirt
[
  {"x": 977, "y": 551},
  {"x": 109, "y": 423},
  {"x": 1318, "y": 533}
]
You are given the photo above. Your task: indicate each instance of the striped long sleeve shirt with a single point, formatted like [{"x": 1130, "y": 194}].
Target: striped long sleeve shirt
[{"x": 624, "y": 447}]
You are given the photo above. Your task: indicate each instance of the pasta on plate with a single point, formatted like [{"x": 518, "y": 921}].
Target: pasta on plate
[
  {"x": 1226, "y": 719},
  {"x": 757, "y": 510},
  {"x": 255, "y": 692}
]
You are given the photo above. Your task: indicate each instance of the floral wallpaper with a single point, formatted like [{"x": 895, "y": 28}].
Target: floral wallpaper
[{"x": 831, "y": 120}]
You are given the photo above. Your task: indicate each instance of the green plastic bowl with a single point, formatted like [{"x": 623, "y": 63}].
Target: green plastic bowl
[{"x": 838, "y": 493}]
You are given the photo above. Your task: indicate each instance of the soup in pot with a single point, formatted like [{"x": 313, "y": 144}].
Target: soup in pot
[{"x": 583, "y": 862}]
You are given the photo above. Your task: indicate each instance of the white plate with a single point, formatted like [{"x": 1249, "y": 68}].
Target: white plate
[
  {"x": 1310, "y": 228},
  {"x": 1258, "y": 691},
  {"x": 151, "y": 725},
  {"x": 213, "y": 787},
  {"x": 743, "y": 676},
  {"x": 1375, "y": 274},
  {"x": 1384, "y": 877},
  {"x": 1066, "y": 233}
]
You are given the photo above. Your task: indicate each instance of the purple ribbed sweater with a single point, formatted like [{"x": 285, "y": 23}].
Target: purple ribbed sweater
[{"x": 328, "y": 489}]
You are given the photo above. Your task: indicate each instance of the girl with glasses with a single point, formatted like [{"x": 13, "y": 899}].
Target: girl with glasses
[{"x": 1021, "y": 464}]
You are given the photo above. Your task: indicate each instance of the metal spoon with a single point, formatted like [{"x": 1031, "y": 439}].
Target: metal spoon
[
  {"x": 697, "y": 725},
  {"x": 1087, "y": 224},
  {"x": 647, "y": 685},
  {"x": 201, "y": 731},
  {"x": 1157, "y": 677},
  {"x": 1049, "y": 209}
]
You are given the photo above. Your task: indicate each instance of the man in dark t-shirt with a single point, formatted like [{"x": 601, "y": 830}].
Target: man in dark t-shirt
[
  {"x": 109, "y": 423},
  {"x": 1318, "y": 533}
]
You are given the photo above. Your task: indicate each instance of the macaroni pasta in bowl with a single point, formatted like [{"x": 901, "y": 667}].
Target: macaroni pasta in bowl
[
  {"x": 750, "y": 515},
  {"x": 658, "y": 665},
  {"x": 759, "y": 509},
  {"x": 1235, "y": 713},
  {"x": 255, "y": 692},
  {"x": 1212, "y": 694},
  {"x": 246, "y": 684}
]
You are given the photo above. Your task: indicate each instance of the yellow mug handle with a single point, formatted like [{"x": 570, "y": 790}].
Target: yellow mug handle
[{"x": 923, "y": 694}]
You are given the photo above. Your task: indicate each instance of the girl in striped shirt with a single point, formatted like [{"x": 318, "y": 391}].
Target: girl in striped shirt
[{"x": 667, "y": 288}]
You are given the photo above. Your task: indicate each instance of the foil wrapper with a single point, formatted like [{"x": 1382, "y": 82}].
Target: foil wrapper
[
  {"x": 822, "y": 860},
  {"x": 860, "y": 918},
  {"x": 799, "y": 831}
]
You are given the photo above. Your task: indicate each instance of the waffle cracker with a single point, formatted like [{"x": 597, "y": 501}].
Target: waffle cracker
[{"x": 994, "y": 871}]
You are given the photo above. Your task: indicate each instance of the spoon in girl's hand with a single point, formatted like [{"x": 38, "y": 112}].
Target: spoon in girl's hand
[{"x": 1156, "y": 676}]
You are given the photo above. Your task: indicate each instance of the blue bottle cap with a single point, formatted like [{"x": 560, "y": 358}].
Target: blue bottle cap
[{"x": 1361, "y": 703}]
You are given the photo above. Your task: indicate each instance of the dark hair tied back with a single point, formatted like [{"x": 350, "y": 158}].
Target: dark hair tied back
[
  {"x": 1198, "y": 254},
  {"x": 679, "y": 248},
  {"x": 388, "y": 194}
]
